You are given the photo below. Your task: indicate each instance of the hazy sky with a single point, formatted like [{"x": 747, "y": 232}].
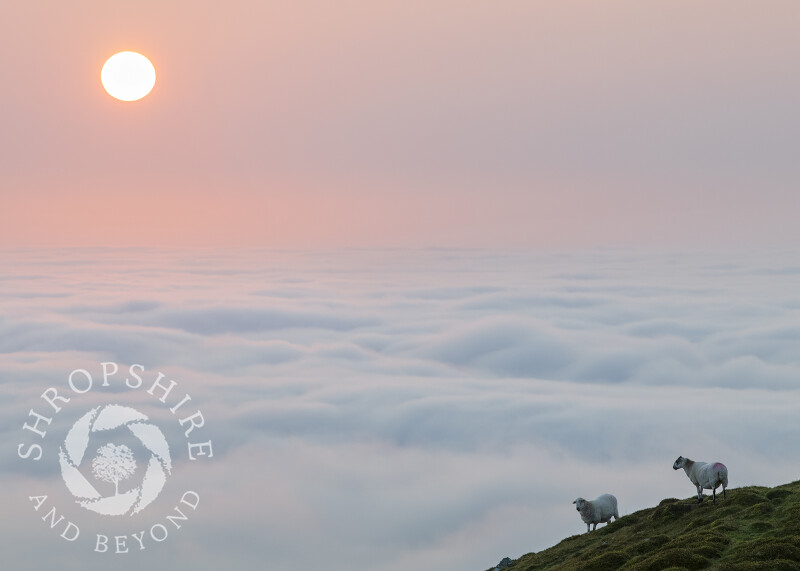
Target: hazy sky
[
  {"x": 516, "y": 123},
  {"x": 432, "y": 269}
]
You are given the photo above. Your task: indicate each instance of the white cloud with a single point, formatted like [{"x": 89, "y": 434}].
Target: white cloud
[{"x": 441, "y": 411}]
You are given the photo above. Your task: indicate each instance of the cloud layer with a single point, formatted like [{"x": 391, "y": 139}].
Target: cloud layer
[{"x": 396, "y": 409}]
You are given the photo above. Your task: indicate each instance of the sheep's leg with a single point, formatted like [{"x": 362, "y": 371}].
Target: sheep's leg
[
  {"x": 699, "y": 493},
  {"x": 714, "y": 494}
]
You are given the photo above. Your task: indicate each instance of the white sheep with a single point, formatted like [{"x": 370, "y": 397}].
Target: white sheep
[
  {"x": 599, "y": 510},
  {"x": 704, "y": 476}
]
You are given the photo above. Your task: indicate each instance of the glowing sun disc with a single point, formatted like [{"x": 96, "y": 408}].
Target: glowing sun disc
[{"x": 128, "y": 76}]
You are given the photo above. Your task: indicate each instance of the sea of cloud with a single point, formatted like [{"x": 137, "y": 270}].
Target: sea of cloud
[{"x": 407, "y": 409}]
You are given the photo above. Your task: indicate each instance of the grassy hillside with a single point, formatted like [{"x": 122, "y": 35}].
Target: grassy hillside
[{"x": 755, "y": 528}]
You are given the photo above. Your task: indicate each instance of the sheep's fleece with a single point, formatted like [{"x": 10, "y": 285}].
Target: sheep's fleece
[{"x": 599, "y": 510}]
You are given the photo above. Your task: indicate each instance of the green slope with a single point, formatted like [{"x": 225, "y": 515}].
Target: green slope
[{"x": 755, "y": 528}]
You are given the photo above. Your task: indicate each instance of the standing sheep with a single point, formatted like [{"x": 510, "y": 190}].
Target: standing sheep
[
  {"x": 704, "y": 476},
  {"x": 599, "y": 510}
]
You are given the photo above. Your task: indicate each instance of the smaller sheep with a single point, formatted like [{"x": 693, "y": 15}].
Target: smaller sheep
[
  {"x": 599, "y": 510},
  {"x": 704, "y": 476}
]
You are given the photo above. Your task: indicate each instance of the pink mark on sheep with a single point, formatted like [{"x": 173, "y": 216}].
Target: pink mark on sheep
[{"x": 704, "y": 476}]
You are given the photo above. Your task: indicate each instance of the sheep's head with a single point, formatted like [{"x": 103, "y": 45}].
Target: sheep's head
[
  {"x": 579, "y": 503},
  {"x": 679, "y": 463}
]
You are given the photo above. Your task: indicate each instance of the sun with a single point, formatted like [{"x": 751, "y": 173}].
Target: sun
[{"x": 128, "y": 76}]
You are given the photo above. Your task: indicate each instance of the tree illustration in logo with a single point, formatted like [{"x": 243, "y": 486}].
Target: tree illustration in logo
[{"x": 114, "y": 464}]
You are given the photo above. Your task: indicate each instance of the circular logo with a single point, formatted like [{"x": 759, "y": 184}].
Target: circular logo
[{"x": 114, "y": 463}]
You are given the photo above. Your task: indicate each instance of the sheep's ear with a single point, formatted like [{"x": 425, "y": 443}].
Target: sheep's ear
[{"x": 575, "y": 502}]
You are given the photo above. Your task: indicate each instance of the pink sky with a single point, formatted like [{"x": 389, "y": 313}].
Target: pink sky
[{"x": 524, "y": 124}]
